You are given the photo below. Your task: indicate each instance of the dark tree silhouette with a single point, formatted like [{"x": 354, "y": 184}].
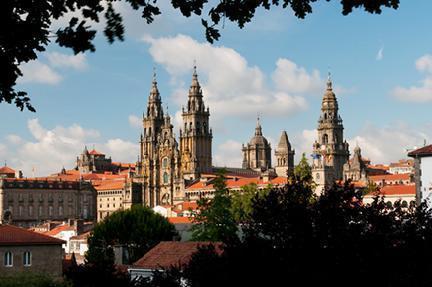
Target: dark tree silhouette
[
  {"x": 25, "y": 28},
  {"x": 295, "y": 239}
]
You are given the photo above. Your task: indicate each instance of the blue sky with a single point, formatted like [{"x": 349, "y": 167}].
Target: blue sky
[{"x": 276, "y": 66}]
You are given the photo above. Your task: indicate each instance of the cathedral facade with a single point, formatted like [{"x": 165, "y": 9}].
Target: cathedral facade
[
  {"x": 330, "y": 150},
  {"x": 164, "y": 167}
]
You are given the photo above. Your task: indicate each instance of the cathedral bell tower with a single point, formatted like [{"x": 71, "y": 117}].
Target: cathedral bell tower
[
  {"x": 153, "y": 121},
  {"x": 195, "y": 135},
  {"x": 330, "y": 150}
]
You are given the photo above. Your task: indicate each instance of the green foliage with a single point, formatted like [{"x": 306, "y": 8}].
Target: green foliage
[
  {"x": 33, "y": 280},
  {"x": 241, "y": 206},
  {"x": 138, "y": 229},
  {"x": 303, "y": 171},
  {"x": 336, "y": 238},
  {"x": 214, "y": 220},
  {"x": 26, "y": 27}
]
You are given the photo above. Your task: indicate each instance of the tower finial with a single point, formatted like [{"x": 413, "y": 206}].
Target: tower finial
[
  {"x": 194, "y": 67},
  {"x": 154, "y": 74},
  {"x": 258, "y": 129},
  {"x": 329, "y": 80}
]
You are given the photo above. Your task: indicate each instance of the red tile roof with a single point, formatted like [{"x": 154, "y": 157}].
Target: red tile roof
[
  {"x": 58, "y": 229},
  {"x": 6, "y": 170},
  {"x": 423, "y": 151},
  {"x": 180, "y": 220},
  {"x": 395, "y": 190},
  {"x": 12, "y": 235},
  {"x": 400, "y": 176},
  {"x": 239, "y": 182},
  {"x": 109, "y": 184},
  {"x": 95, "y": 152},
  {"x": 171, "y": 253}
]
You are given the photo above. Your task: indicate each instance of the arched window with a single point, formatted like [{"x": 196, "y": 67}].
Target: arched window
[
  {"x": 165, "y": 177},
  {"x": 27, "y": 258},
  {"x": 8, "y": 259},
  {"x": 325, "y": 139},
  {"x": 165, "y": 163},
  {"x": 190, "y": 125}
]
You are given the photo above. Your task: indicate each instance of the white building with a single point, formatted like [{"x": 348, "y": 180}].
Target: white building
[{"x": 423, "y": 173}]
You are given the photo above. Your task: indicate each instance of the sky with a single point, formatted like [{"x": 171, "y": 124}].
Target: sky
[{"x": 381, "y": 68}]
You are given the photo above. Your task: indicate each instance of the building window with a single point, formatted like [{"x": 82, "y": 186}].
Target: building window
[
  {"x": 60, "y": 210},
  {"x": 40, "y": 210},
  {"x": 325, "y": 139},
  {"x": 8, "y": 259},
  {"x": 30, "y": 210},
  {"x": 27, "y": 258},
  {"x": 165, "y": 162},
  {"x": 165, "y": 177},
  {"x": 50, "y": 210}
]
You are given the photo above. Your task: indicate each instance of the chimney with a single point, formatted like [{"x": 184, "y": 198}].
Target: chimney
[{"x": 79, "y": 226}]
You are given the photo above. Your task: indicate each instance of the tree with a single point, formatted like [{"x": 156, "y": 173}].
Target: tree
[
  {"x": 138, "y": 229},
  {"x": 241, "y": 206},
  {"x": 303, "y": 170},
  {"x": 213, "y": 220},
  {"x": 334, "y": 240},
  {"x": 26, "y": 26}
]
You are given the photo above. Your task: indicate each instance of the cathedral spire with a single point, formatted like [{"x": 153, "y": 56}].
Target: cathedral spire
[
  {"x": 154, "y": 92},
  {"x": 258, "y": 129},
  {"x": 329, "y": 82}
]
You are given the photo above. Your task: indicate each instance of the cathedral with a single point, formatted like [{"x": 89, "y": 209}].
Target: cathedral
[
  {"x": 167, "y": 167},
  {"x": 164, "y": 167}
]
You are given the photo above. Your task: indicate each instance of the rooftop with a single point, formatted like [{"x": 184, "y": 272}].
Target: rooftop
[
  {"x": 423, "y": 151},
  {"x": 171, "y": 253},
  {"x": 12, "y": 235}
]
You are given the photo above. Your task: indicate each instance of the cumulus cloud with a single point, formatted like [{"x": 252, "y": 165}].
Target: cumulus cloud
[
  {"x": 228, "y": 154},
  {"x": 50, "y": 149},
  {"x": 134, "y": 121},
  {"x": 420, "y": 93},
  {"x": 77, "y": 62},
  {"x": 288, "y": 76},
  {"x": 38, "y": 72},
  {"x": 231, "y": 86},
  {"x": 390, "y": 143},
  {"x": 14, "y": 139}
]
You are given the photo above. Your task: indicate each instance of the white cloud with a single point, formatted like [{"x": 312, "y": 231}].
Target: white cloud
[
  {"x": 231, "y": 86},
  {"x": 424, "y": 63},
  {"x": 134, "y": 121},
  {"x": 122, "y": 150},
  {"x": 228, "y": 154},
  {"x": 380, "y": 54},
  {"x": 38, "y": 72},
  {"x": 77, "y": 62},
  {"x": 302, "y": 143},
  {"x": 288, "y": 76},
  {"x": 14, "y": 139},
  {"x": 389, "y": 143},
  {"x": 423, "y": 92},
  {"x": 51, "y": 149}
]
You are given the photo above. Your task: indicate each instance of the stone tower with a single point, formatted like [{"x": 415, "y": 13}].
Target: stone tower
[
  {"x": 195, "y": 135},
  {"x": 257, "y": 153},
  {"x": 159, "y": 164},
  {"x": 330, "y": 151},
  {"x": 284, "y": 156},
  {"x": 355, "y": 169}
]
